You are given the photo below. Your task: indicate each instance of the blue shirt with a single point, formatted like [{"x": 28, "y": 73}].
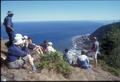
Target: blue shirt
[
  {"x": 9, "y": 21},
  {"x": 44, "y": 45},
  {"x": 15, "y": 52}
]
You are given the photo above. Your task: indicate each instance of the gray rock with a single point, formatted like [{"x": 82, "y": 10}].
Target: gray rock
[{"x": 3, "y": 78}]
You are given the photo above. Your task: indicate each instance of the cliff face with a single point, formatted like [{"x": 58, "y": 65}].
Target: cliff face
[{"x": 100, "y": 32}]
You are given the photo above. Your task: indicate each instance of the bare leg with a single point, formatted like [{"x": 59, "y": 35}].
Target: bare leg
[
  {"x": 31, "y": 62},
  {"x": 41, "y": 51},
  {"x": 95, "y": 62},
  {"x": 95, "y": 59}
]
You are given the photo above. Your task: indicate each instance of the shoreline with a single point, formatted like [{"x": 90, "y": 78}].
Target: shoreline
[{"x": 80, "y": 40}]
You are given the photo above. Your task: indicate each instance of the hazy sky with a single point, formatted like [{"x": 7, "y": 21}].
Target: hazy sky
[{"x": 61, "y": 10}]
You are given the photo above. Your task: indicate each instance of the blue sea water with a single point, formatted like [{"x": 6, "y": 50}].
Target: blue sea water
[{"x": 59, "y": 32}]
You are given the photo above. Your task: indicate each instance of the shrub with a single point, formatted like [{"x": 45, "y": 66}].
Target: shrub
[
  {"x": 56, "y": 62},
  {"x": 106, "y": 67},
  {"x": 111, "y": 46},
  {"x": 64, "y": 68}
]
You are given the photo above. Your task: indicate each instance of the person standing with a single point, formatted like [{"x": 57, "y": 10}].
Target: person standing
[
  {"x": 9, "y": 26},
  {"x": 95, "y": 50}
]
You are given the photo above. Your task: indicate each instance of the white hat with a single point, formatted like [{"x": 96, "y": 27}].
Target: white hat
[
  {"x": 18, "y": 36},
  {"x": 50, "y": 43},
  {"x": 18, "y": 39},
  {"x": 9, "y": 12},
  {"x": 25, "y": 37}
]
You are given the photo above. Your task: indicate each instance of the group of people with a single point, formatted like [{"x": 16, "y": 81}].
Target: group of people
[
  {"x": 19, "y": 49},
  {"x": 19, "y": 46},
  {"x": 19, "y": 52},
  {"x": 82, "y": 59}
]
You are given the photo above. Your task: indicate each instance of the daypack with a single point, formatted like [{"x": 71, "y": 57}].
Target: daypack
[{"x": 5, "y": 21}]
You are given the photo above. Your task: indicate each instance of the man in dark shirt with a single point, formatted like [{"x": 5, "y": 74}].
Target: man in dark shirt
[
  {"x": 44, "y": 45},
  {"x": 9, "y": 26}
]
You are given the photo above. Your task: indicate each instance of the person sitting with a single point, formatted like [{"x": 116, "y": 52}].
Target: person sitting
[
  {"x": 44, "y": 45},
  {"x": 34, "y": 46},
  {"x": 50, "y": 47},
  {"x": 68, "y": 56},
  {"x": 83, "y": 61},
  {"x": 17, "y": 56}
]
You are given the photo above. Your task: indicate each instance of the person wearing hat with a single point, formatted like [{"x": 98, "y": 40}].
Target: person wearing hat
[
  {"x": 50, "y": 47},
  {"x": 95, "y": 50},
  {"x": 9, "y": 26},
  {"x": 17, "y": 57}
]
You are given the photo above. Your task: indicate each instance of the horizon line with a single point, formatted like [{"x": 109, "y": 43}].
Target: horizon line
[
  {"x": 117, "y": 20},
  {"x": 63, "y": 20}
]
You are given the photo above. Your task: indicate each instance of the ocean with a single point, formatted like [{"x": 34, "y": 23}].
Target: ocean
[{"x": 58, "y": 32}]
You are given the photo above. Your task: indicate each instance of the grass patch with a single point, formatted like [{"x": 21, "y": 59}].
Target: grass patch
[
  {"x": 112, "y": 70},
  {"x": 55, "y": 62}
]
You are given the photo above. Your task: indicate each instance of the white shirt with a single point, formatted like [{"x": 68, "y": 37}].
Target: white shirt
[
  {"x": 82, "y": 57},
  {"x": 51, "y": 49}
]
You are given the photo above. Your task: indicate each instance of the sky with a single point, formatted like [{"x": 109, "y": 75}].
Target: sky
[{"x": 62, "y": 10}]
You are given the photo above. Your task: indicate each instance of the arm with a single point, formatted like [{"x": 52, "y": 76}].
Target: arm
[
  {"x": 15, "y": 51},
  {"x": 25, "y": 49},
  {"x": 93, "y": 47},
  {"x": 31, "y": 46},
  {"x": 9, "y": 24},
  {"x": 88, "y": 60}
]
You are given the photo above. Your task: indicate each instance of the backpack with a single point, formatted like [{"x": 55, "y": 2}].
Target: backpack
[{"x": 5, "y": 21}]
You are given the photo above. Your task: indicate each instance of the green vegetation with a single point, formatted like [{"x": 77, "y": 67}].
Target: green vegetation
[
  {"x": 106, "y": 67},
  {"x": 110, "y": 44},
  {"x": 55, "y": 61}
]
